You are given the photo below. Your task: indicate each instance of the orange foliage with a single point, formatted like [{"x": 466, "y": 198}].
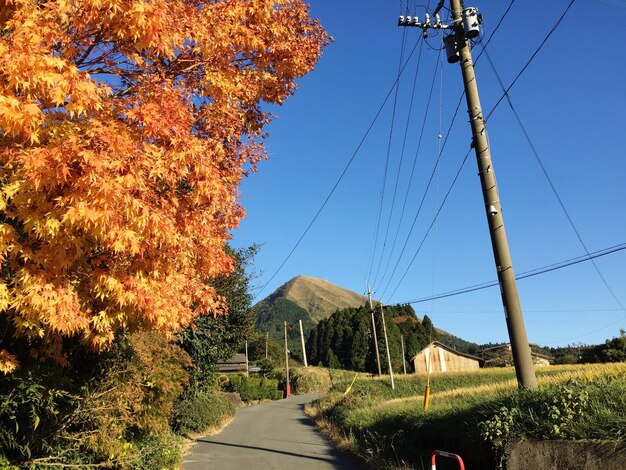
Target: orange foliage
[{"x": 126, "y": 127}]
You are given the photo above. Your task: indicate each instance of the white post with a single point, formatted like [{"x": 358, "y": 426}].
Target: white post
[{"x": 303, "y": 347}]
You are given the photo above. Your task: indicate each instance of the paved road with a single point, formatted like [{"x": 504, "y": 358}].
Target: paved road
[{"x": 272, "y": 436}]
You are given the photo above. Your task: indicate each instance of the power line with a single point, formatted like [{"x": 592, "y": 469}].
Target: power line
[
  {"x": 387, "y": 157},
  {"x": 532, "y": 57},
  {"x": 341, "y": 176},
  {"x": 525, "y": 275},
  {"x": 395, "y": 189},
  {"x": 505, "y": 92},
  {"x": 419, "y": 209},
  {"x": 456, "y": 177},
  {"x": 415, "y": 158},
  {"x": 562, "y": 310},
  {"x": 491, "y": 36},
  {"x": 547, "y": 176}
]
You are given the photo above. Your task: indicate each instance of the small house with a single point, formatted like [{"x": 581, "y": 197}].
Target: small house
[
  {"x": 236, "y": 363},
  {"x": 441, "y": 358}
]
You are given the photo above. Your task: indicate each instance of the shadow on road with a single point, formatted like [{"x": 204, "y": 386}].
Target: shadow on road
[{"x": 333, "y": 461}]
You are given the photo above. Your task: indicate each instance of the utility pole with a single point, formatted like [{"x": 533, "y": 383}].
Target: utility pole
[
  {"x": 403, "y": 360},
  {"x": 382, "y": 317},
  {"x": 247, "y": 364},
  {"x": 303, "y": 346},
  {"x": 267, "y": 336},
  {"x": 287, "y": 384},
  {"x": 465, "y": 26},
  {"x": 374, "y": 335}
]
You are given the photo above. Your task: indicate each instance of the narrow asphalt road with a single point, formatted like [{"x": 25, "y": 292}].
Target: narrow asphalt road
[{"x": 273, "y": 436}]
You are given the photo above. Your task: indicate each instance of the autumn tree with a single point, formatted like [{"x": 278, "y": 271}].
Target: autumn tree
[{"x": 125, "y": 129}]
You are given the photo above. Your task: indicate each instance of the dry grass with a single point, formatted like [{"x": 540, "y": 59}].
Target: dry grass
[{"x": 498, "y": 383}]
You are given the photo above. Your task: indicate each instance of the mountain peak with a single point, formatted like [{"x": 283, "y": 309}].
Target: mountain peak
[{"x": 319, "y": 297}]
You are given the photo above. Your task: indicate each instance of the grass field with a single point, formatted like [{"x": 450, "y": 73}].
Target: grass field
[{"x": 475, "y": 414}]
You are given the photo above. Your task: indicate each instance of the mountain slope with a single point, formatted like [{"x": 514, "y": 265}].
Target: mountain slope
[
  {"x": 302, "y": 298},
  {"x": 311, "y": 300},
  {"x": 319, "y": 297}
]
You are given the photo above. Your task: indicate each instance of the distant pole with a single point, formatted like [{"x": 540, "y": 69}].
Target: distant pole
[
  {"x": 288, "y": 385},
  {"x": 403, "y": 361},
  {"x": 303, "y": 347},
  {"x": 504, "y": 266},
  {"x": 267, "y": 335},
  {"x": 374, "y": 335},
  {"x": 382, "y": 317},
  {"x": 247, "y": 365}
]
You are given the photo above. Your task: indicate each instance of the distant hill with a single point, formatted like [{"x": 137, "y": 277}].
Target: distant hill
[
  {"x": 311, "y": 300},
  {"x": 302, "y": 298}
]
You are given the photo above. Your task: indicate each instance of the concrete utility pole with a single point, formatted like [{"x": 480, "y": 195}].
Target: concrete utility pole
[
  {"x": 247, "y": 364},
  {"x": 465, "y": 26},
  {"x": 287, "y": 383},
  {"x": 267, "y": 336},
  {"x": 524, "y": 368},
  {"x": 303, "y": 347},
  {"x": 403, "y": 360},
  {"x": 374, "y": 335},
  {"x": 382, "y": 317}
]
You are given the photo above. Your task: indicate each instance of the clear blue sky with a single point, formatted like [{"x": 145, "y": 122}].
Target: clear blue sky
[{"x": 572, "y": 100}]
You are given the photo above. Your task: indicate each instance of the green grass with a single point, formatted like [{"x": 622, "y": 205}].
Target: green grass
[{"x": 475, "y": 414}]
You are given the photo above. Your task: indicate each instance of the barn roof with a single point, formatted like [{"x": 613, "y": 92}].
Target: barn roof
[
  {"x": 449, "y": 349},
  {"x": 508, "y": 346},
  {"x": 233, "y": 364}
]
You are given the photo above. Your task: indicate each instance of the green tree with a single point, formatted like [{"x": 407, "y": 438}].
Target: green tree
[{"x": 215, "y": 338}]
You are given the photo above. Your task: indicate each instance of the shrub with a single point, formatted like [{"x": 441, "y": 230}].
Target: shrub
[
  {"x": 266, "y": 366},
  {"x": 34, "y": 407},
  {"x": 310, "y": 379},
  {"x": 160, "y": 452},
  {"x": 252, "y": 389},
  {"x": 102, "y": 417},
  {"x": 197, "y": 411}
]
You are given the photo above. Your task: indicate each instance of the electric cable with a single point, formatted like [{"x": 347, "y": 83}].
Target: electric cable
[
  {"x": 532, "y": 57},
  {"x": 491, "y": 36},
  {"x": 524, "y": 275},
  {"x": 443, "y": 203},
  {"x": 432, "y": 304},
  {"x": 415, "y": 158},
  {"x": 419, "y": 209},
  {"x": 395, "y": 189},
  {"x": 387, "y": 158},
  {"x": 549, "y": 179},
  {"x": 341, "y": 176}
]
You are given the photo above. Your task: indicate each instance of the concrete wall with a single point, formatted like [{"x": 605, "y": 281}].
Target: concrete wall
[{"x": 566, "y": 455}]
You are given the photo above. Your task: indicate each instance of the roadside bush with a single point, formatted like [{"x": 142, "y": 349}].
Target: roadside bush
[
  {"x": 266, "y": 366},
  {"x": 162, "y": 453},
  {"x": 310, "y": 380},
  {"x": 197, "y": 411},
  {"x": 34, "y": 409},
  {"x": 101, "y": 417},
  {"x": 252, "y": 389}
]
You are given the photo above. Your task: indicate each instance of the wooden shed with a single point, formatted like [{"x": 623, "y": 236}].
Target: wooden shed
[
  {"x": 441, "y": 358},
  {"x": 236, "y": 363}
]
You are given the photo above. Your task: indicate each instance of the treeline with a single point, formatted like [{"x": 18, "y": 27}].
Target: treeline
[
  {"x": 612, "y": 350},
  {"x": 271, "y": 315},
  {"x": 344, "y": 340}
]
